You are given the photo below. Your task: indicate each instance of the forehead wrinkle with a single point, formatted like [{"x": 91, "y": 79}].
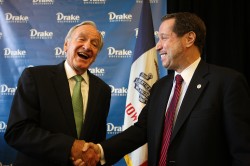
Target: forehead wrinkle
[{"x": 95, "y": 37}]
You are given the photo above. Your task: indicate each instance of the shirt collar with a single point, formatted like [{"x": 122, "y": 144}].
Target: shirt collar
[
  {"x": 187, "y": 73},
  {"x": 71, "y": 73}
]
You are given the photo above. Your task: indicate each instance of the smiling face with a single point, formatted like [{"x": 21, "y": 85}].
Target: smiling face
[
  {"x": 170, "y": 46},
  {"x": 81, "y": 47}
]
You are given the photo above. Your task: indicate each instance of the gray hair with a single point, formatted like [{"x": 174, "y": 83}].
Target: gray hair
[{"x": 84, "y": 23}]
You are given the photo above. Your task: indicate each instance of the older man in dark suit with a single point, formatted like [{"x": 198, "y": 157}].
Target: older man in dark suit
[{"x": 42, "y": 125}]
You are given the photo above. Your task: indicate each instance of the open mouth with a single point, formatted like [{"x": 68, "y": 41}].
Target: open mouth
[
  {"x": 163, "y": 55},
  {"x": 82, "y": 55}
]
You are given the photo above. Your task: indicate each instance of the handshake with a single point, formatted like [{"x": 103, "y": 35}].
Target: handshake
[{"x": 85, "y": 154}]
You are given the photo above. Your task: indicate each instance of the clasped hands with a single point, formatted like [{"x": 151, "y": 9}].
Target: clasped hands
[{"x": 85, "y": 154}]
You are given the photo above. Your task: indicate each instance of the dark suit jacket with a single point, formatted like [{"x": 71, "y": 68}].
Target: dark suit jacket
[
  {"x": 41, "y": 124},
  {"x": 212, "y": 128}
]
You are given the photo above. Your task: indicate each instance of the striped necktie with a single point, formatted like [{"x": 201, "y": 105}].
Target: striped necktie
[{"x": 169, "y": 119}]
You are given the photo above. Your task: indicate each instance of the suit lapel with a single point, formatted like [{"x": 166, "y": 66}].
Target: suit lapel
[
  {"x": 195, "y": 89},
  {"x": 61, "y": 85},
  {"x": 91, "y": 110},
  {"x": 166, "y": 90}
]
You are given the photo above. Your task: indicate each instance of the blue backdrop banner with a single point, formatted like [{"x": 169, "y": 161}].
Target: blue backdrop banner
[{"x": 32, "y": 33}]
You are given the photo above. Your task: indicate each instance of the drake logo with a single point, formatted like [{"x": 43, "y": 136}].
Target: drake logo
[
  {"x": 35, "y": 34},
  {"x": 8, "y": 53},
  {"x": 43, "y": 2},
  {"x": 112, "y": 129},
  {"x": 61, "y": 18},
  {"x": 94, "y": 2},
  {"x": 5, "y": 90},
  {"x": 113, "y": 53},
  {"x": 59, "y": 53},
  {"x": 97, "y": 71},
  {"x": 151, "y": 1},
  {"x": 9, "y": 17},
  {"x": 118, "y": 91},
  {"x": 113, "y": 17}
]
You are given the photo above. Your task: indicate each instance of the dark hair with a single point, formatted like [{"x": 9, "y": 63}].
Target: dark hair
[{"x": 186, "y": 22}]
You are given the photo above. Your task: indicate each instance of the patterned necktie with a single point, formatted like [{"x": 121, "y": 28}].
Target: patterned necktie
[
  {"x": 169, "y": 119},
  {"x": 78, "y": 104}
]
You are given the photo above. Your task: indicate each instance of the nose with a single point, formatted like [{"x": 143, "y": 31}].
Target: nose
[{"x": 87, "y": 45}]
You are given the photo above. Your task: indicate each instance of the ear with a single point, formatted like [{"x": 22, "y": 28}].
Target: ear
[
  {"x": 190, "y": 38},
  {"x": 65, "y": 46}
]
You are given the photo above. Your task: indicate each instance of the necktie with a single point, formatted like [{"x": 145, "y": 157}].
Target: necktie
[
  {"x": 78, "y": 104},
  {"x": 169, "y": 119}
]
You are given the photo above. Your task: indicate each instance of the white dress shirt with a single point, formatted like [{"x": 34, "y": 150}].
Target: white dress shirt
[
  {"x": 84, "y": 85},
  {"x": 187, "y": 75}
]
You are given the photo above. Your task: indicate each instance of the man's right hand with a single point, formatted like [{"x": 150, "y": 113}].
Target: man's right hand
[
  {"x": 89, "y": 154},
  {"x": 91, "y": 146}
]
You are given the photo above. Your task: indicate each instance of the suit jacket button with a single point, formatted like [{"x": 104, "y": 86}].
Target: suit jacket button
[{"x": 171, "y": 163}]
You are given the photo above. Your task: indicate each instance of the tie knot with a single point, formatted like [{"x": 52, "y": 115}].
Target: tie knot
[
  {"x": 78, "y": 78},
  {"x": 178, "y": 79}
]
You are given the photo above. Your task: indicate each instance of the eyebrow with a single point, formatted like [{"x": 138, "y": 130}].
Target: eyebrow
[{"x": 165, "y": 34}]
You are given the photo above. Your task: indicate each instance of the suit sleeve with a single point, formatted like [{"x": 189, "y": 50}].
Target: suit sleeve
[
  {"x": 237, "y": 119},
  {"x": 127, "y": 141},
  {"x": 23, "y": 130}
]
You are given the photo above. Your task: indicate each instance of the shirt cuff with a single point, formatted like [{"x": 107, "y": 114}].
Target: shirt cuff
[{"x": 102, "y": 160}]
